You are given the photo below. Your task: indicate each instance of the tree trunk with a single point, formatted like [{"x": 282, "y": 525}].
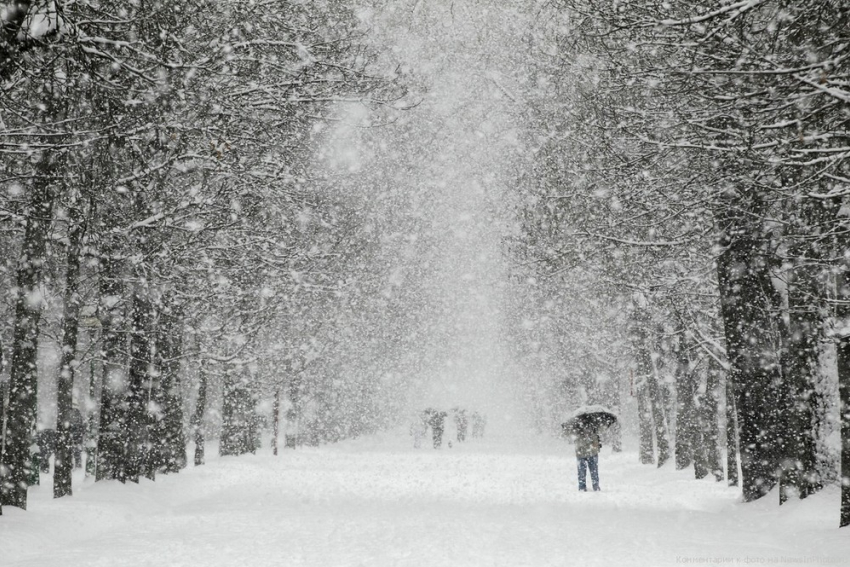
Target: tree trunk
[
  {"x": 3, "y": 391},
  {"x": 699, "y": 454},
  {"x": 111, "y": 432},
  {"x": 689, "y": 438},
  {"x": 64, "y": 457},
  {"x": 139, "y": 388},
  {"x": 649, "y": 392},
  {"x": 731, "y": 435},
  {"x": 237, "y": 416},
  {"x": 748, "y": 302},
  {"x": 684, "y": 405},
  {"x": 276, "y": 420},
  {"x": 172, "y": 444},
  {"x": 91, "y": 417},
  {"x": 157, "y": 450},
  {"x": 23, "y": 375},
  {"x": 645, "y": 425},
  {"x": 799, "y": 367},
  {"x": 802, "y": 335},
  {"x": 709, "y": 420},
  {"x": 617, "y": 435},
  {"x": 657, "y": 405},
  {"x": 843, "y": 360},
  {"x": 198, "y": 416}
]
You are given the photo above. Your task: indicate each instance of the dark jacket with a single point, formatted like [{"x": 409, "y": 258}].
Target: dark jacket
[{"x": 587, "y": 443}]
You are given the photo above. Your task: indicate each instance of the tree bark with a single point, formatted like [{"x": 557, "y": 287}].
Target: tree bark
[
  {"x": 747, "y": 306},
  {"x": 111, "y": 432},
  {"x": 138, "y": 420},
  {"x": 731, "y": 435},
  {"x": 198, "y": 416},
  {"x": 799, "y": 367},
  {"x": 689, "y": 427},
  {"x": 645, "y": 425},
  {"x": 617, "y": 434},
  {"x": 64, "y": 457},
  {"x": 170, "y": 352},
  {"x": 709, "y": 419},
  {"x": 684, "y": 405},
  {"x": 92, "y": 416},
  {"x": 237, "y": 417},
  {"x": 276, "y": 420},
  {"x": 699, "y": 454},
  {"x": 3, "y": 391},
  {"x": 843, "y": 360},
  {"x": 23, "y": 376},
  {"x": 657, "y": 405},
  {"x": 802, "y": 336},
  {"x": 653, "y": 402}
]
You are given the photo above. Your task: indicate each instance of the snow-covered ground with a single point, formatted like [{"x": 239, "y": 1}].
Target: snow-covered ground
[{"x": 379, "y": 502}]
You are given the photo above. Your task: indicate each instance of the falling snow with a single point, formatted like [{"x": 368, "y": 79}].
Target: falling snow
[{"x": 333, "y": 282}]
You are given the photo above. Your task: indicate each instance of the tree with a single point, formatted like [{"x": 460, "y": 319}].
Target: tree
[
  {"x": 647, "y": 383},
  {"x": 64, "y": 461},
  {"x": 23, "y": 382},
  {"x": 750, "y": 95}
]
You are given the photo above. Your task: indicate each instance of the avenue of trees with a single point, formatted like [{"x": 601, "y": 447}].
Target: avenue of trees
[
  {"x": 164, "y": 230},
  {"x": 171, "y": 231},
  {"x": 689, "y": 178}
]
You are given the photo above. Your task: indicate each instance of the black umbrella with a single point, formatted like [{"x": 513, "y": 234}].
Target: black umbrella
[{"x": 589, "y": 418}]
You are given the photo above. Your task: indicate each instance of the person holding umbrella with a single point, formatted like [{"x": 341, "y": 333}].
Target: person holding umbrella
[
  {"x": 583, "y": 427},
  {"x": 587, "y": 444}
]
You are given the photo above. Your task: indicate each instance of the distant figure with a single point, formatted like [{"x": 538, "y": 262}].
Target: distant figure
[
  {"x": 587, "y": 455},
  {"x": 478, "y": 422},
  {"x": 419, "y": 429},
  {"x": 437, "y": 422},
  {"x": 461, "y": 424}
]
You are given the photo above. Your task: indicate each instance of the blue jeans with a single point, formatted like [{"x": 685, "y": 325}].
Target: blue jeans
[{"x": 585, "y": 463}]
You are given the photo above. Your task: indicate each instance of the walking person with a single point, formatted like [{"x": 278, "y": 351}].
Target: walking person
[
  {"x": 461, "y": 424},
  {"x": 587, "y": 443},
  {"x": 437, "y": 422},
  {"x": 583, "y": 427}
]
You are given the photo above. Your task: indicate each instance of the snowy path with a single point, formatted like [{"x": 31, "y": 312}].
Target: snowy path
[{"x": 378, "y": 502}]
